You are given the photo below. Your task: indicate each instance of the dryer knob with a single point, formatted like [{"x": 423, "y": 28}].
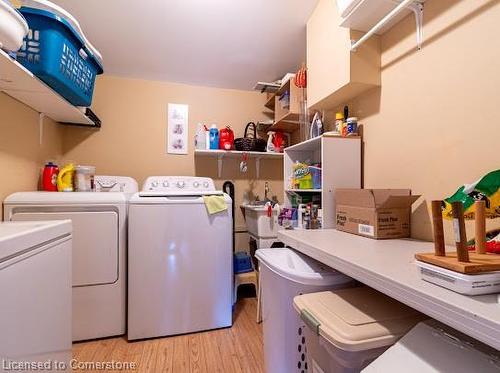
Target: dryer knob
[
  {"x": 165, "y": 184},
  {"x": 181, "y": 184},
  {"x": 154, "y": 184},
  {"x": 205, "y": 184},
  {"x": 196, "y": 184}
]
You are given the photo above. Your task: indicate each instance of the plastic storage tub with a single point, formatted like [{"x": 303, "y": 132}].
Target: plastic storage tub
[
  {"x": 284, "y": 274},
  {"x": 348, "y": 329},
  {"x": 316, "y": 176},
  {"x": 13, "y": 27},
  {"x": 434, "y": 347},
  {"x": 56, "y": 53}
]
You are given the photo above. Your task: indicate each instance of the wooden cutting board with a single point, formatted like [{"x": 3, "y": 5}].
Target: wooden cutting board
[{"x": 479, "y": 263}]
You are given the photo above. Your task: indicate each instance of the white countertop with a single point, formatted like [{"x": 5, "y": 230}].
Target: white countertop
[{"x": 389, "y": 267}]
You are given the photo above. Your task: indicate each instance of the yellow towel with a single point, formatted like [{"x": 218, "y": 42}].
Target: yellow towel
[{"x": 215, "y": 204}]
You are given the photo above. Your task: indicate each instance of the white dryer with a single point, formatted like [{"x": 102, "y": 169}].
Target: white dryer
[
  {"x": 99, "y": 248},
  {"x": 180, "y": 259},
  {"x": 35, "y": 293}
]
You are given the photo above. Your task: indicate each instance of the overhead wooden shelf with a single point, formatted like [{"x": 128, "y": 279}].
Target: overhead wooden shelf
[
  {"x": 19, "y": 83},
  {"x": 237, "y": 154},
  {"x": 288, "y": 122},
  {"x": 220, "y": 155},
  {"x": 270, "y": 102}
]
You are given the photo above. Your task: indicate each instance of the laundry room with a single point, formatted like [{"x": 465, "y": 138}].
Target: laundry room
[{"x": 249, "y": 186}]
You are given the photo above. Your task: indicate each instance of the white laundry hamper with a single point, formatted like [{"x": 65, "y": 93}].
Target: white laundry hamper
[{"x": 285, "y": 274}]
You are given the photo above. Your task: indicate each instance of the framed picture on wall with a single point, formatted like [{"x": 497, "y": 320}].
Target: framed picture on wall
[{"x": 177, "y": 129}]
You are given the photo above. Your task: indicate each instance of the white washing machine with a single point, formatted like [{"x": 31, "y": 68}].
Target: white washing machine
[
  {"x": 99, "y": 248},
  {"x": 180, "y": 259},
  {"x": 35, "y": 293}
]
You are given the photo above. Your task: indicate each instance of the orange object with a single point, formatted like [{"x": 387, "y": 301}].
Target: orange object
[
  {"x": 437, "y": 222},
  {"x": 301, "y": 77},
  {"x": 480, "y": 241}
]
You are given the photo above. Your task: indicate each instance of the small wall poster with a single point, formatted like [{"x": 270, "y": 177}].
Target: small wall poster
[{"x": 177, "y": 129}]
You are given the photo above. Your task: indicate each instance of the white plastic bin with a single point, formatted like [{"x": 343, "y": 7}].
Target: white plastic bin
[
  {"x": 347, "y": 329},
  {"x": 284, "y": 274},
  {"x": 433, "y": 347}
]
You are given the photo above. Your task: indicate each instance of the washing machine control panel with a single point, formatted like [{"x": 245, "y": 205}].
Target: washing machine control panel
[{"x": 178, "y": 183}]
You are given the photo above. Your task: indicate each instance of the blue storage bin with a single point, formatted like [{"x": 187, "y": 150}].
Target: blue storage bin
[
  {"x": 56, "y": 53},
  {"x": 242, "y": 262},
  {"x": 316, "y": 176}
]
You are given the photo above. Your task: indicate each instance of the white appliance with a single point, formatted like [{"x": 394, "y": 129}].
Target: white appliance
[
  {"x": 285, "y": 274},
  {"x": 180, "y": 259},
  {"x": 35, "y": 293},
  {"x": 476, "y": 284},
  {"x": 99, "y": 248}
]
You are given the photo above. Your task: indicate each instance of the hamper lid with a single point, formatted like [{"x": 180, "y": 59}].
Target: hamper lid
[{"x": 356, "y": 319}]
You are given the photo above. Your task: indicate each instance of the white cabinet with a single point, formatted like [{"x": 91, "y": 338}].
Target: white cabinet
[
  {"x": 340, "y": 159},
  {"x": 335, "y": 74}
]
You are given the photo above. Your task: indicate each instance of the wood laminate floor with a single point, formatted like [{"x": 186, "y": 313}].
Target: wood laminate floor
[{"x": 236, "y": 349}]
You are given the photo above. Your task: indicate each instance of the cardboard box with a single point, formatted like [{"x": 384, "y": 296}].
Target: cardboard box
[{"x": 374, "y": 213}]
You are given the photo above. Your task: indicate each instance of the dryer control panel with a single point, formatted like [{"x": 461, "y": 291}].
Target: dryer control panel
[{"x": 178, "y": 183}]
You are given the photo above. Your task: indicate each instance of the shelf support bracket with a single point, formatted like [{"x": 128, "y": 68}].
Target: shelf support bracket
[
  {"x": 257, "y": 167},
  {"x": 219, "y": 165},
  {"x": 414, "y": 5},
  {"x": 418, "y": 10},
  {"x": 41, "y": 118}
]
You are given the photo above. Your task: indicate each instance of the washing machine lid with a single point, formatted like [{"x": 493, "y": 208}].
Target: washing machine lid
[
  {"x": 62, "y": 198},
  {"x": 19, "y": 237}
]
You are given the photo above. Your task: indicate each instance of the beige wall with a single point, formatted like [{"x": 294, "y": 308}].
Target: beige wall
[
  {"x": 21, "y": 154},
  {"x": 434, "y": 124},
  {"x": 132, "y": 140}
]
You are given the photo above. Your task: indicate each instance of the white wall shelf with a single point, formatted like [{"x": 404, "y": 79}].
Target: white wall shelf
[
  {"x": 303, "y": 190},
  {"x": 340, "y": 159},
  {"x": 220, "y": 155},
  {"x": 378, "y": 16},
  {"x": 19, "y": 83}
]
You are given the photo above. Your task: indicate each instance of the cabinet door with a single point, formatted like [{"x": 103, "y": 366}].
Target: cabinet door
[
  {"x": 334, "y": 73},
  {"x": 95, "y": 243}
]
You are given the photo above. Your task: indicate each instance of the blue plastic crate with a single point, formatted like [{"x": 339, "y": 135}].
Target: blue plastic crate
[
  {"x": 56, "y": 54},
  {"x": 242, "y": 262}
]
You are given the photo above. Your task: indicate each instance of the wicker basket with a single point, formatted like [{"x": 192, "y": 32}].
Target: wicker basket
[{"x": 250, "y": 143}]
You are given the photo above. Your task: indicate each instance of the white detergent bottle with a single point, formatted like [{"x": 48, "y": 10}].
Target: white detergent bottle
[
  {"x": 270, "y": 146},
  {"x": 200, "y": 138}
]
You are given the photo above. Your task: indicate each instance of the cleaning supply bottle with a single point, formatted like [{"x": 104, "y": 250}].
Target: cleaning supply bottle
[
  {"x": 339, "y": 119},
  {"x": 207, "y": 137},
  {"x": 270, "y": 141},
  {"x": 65, "y": 178},
  {"x": 49, "y": 177},
  {"x": 214, "y": 137},
  {"x": 200, "y": 138}
]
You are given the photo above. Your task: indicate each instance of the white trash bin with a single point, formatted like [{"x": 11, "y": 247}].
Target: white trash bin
[
  {"x": 284, "y": 274},
  {"x": 347, "y": 329}
]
